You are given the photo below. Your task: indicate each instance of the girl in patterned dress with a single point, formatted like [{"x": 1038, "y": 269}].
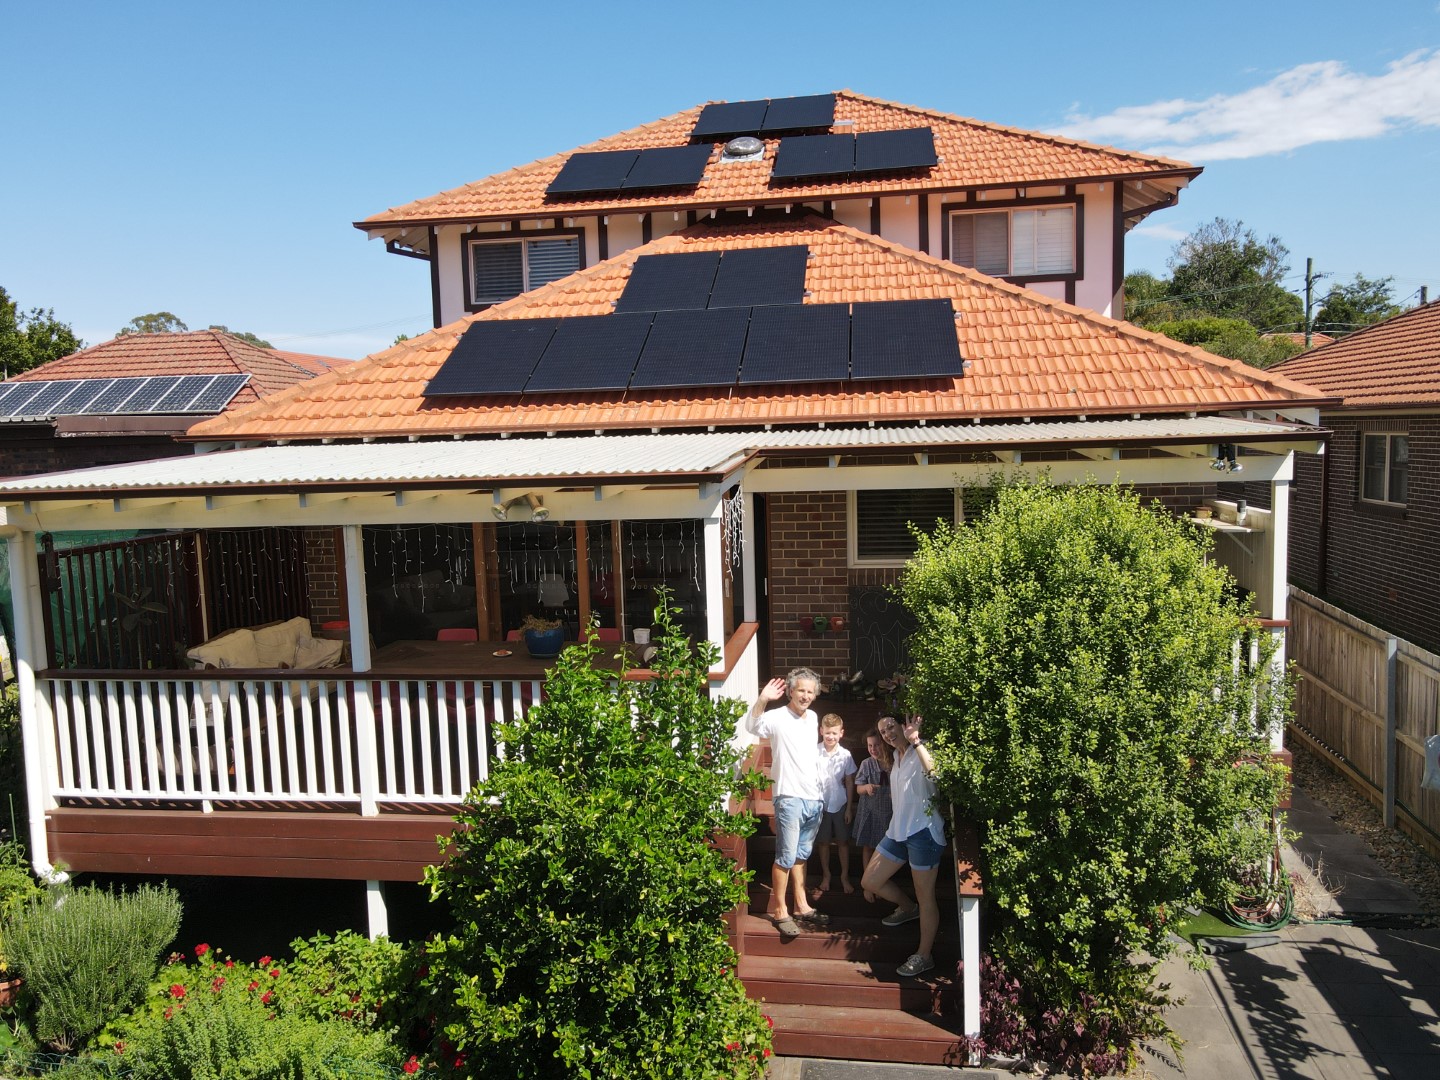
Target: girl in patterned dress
[{"x": 872, "y": 785}]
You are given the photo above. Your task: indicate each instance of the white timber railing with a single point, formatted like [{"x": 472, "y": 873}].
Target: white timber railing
[{"x": 254, "y": 737}]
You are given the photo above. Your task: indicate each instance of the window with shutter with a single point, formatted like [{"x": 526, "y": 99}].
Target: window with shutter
[
  {"x": 502, "y": 269},
  {"x": 880, "y": 522}
]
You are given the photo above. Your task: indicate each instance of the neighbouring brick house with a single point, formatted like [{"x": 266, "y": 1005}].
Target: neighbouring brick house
[
  {"x": 1365, "y": 526},
  {"x": 740, "y": 385}
]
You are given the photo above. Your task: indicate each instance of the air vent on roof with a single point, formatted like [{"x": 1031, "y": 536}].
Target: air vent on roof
[{"x": 743, "y": 148}]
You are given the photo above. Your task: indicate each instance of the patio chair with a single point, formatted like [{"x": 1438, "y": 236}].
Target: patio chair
[
  {"x": 604, "y": 633},
  {"x": 458, "y": 633}
]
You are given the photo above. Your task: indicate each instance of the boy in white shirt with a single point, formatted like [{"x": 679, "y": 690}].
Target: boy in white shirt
[{"x": 837, "y": 783}]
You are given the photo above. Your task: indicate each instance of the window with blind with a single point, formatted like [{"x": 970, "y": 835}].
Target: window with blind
[
  {"x": 501, "y": 269},
  {"x": 1385, "y": 469},
  {"x": 880, "y": 522},
  {"x": 1015, "y": 243}
]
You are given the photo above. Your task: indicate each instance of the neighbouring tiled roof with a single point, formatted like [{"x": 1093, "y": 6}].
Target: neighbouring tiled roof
[
  {"x": 1391, "y": 364},
  {"x": 972, "y": 154},
  {"x": 1031, "y": 356},
  {"x": 195, "y": 352}
]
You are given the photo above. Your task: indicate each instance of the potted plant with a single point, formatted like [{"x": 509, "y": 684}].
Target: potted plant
[
  {"x": 544, "y": 638},
  {"x": 17, "y": 885}
]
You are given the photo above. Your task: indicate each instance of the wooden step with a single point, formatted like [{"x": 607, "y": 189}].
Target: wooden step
[
  {"x": 849, "y": 983},
  {"x": 863, "y": 940},
  {"x": 826, "y": 1031}
]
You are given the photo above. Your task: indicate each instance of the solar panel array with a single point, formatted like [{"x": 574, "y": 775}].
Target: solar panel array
[
  {"x": 723, "y": 121},
  {"x": 156, "y": 394},
  {"x": 804, "y": 157},
  {"x": 689, "y": 280},
  {"x": 705, "y": 347},
  {"x": 630, "y": 170}
]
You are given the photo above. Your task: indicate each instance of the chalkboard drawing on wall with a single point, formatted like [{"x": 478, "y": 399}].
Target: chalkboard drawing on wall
[{"x": 880, "y": 629}]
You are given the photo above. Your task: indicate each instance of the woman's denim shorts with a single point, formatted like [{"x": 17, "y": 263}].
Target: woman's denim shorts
[{"x": 918, "y": 849}]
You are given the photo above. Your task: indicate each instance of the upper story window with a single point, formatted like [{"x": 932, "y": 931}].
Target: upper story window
[
  {"x": 1385, "y": 468},
  {"x": 502, "y": 269},
  {"x": 1015, "y": 242}
]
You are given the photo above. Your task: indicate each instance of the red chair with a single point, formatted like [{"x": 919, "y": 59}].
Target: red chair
[
  {"x": 604, "y": 633},
  {"x": 512, "y": 635},
  {"x": 458, "y": 633}
]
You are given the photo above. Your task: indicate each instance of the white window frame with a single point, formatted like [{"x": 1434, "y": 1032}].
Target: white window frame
[
  {"x": 1010, "y": 212},
  {"x": 852, "y": 528},
  {"x": 1390, "y": 467},
  {"x": 476, "y": 303}
]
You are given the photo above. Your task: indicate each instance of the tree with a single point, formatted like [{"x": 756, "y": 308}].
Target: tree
[
  {"x": 587, "y": 889},
  {"x": 31, "y": 338},
  {"x": 1234, "y": 338},
  {"x": 157, "y": 322},
  {"x": 1147, "y": 298},
  {"x": 243, "y": 335},
  {"x": 1347, "y": 308},
  {"x": 1073, "y": 666},
  {"x": 1224, "y": 269}
]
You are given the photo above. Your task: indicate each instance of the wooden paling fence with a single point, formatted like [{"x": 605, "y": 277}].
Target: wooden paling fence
[{"x": 1370, "y": 700}]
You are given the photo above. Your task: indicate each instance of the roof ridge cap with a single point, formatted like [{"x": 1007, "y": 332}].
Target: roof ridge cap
[{"x": 1312, "y": 353}]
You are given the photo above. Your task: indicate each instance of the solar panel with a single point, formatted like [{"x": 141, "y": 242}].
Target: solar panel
[
  {"x": 17, "y": 395},
  {"x": 729, "y": 118},
  {"x": 599, "y": 170},
  {"x": 217, "y": 395},
  {"x": 803, "y": 343},
  {"x": 84, "y": 391},
  {"x": 668, "y": 166},
  {"x": 182, "y": 394},
  {"x": 693, "y": 348},
  {"x": 669, "y": 282},
  {"x": 903, "y": 339},
  {"x": 51, "y": 394},
  {"x": 814, "y": 155},
  {"x": 591, "y": 352},
  {"x": 799, "y": 113},
  {"x": 751, "y": 276},
  {"x": 154, "y": 388},
  {"x": 113, "y": 396},
  {"x": 493, "y": 357},
  {"x": 886, "y": 151}
]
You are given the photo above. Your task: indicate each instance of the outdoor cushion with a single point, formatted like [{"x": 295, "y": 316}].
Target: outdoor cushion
[
  {"x": 318, "y": 653},
  {"x": 276, "y": 644},
  {"x": 233, "y": 649}
]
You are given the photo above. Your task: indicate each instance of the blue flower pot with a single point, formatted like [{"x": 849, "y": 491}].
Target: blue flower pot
[{"x": 545, "y": 644}]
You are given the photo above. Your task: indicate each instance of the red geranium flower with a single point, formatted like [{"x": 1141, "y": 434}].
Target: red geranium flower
[
  {"x": 229, "y": 963},
  {"x": 459, "y": 1061},
  {"x": 263, "y": 961},
  {"x": 169, "y": 1013},
  {"x": 119, "y": 1047},
  {"x": 253, "y": 985},
  {"x": 411, "y": 1066},
  {"x": 266, "y": 996},
  {"x": 274, "y": 973},
  {"x": 216, "y": 983},
  {"x": 177, "y": 991},
  {"x": 201, "y": 950}
]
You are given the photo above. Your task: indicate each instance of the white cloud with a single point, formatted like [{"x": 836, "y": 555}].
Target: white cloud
[
  {"x": 1159, "y": 232},
  {"x": 1312, "y": 103}
]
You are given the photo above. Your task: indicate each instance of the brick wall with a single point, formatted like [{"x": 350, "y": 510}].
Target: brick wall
[
  {"x": 36, "y": 449},
  {"x": 1380, "y": 561},
  {"x": 324, "y": 574}
]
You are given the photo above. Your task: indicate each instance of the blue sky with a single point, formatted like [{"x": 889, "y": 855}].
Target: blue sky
[{"x": 209, "y": 158}]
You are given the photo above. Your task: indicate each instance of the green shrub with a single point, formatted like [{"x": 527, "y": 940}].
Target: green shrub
[
  {"x": 587, "y": 890},
  {"x": 1074, "y": 669},
  {"x": 17, "y": 888},
  {"x": 88, "y": 955}
]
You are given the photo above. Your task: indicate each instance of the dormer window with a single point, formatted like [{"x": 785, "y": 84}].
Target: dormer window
[
  {"x": 1015, "y": 242},
  {"x": 500, "y": 269}
]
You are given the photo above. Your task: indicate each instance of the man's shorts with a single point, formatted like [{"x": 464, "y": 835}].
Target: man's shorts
[
  {"x": 796, "y": 821},
  {"x": 918, "y": 849},
  {"x": 833, "y": 829}
]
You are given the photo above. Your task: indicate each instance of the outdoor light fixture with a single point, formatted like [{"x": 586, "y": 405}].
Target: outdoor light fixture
[
  {"x": 1225, "y": 459},
  {"x": 538, "y": 512},
  {"x": 502, "y": 510},
  {"x": 537, "y": 509}
]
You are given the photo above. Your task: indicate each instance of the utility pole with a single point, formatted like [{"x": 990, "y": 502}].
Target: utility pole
[{"x": 1310, "y": 278}]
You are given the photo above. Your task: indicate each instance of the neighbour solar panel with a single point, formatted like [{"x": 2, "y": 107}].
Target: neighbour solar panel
[
  {"x": 669, "y": 282},
  {"x": 903, "y": 339},
  {"x": 727, "y": 119},
  {"x": 182, "y": 394},
  {"x": 50, "y": 395},
  {"x": 153, "y": 389},
  {"x": 803, "y": 343},
  {"x": 599, "y": 170},
  {"x": 17, "y": 395},
  {"x": 591, "y": 352},
  {"x": 886, "y": 151},
  {"x": 493, "y": 357},
  {"x": 83, "y": 393},
  {"x": 814, "y": 155},
  {"x": 693, "y": 348},
  {"x": 668, "y": 166},
  {"x": 113, "y": 397},
  {"x": 217, "y": 395},
  {"x": 799, "y": 113},
  {"x": 751, "y": 276}
]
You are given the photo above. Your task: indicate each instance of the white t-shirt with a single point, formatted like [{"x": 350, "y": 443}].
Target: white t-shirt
[
  {"x": 834, "y": 768},
  {"x": 912, "y": 794},
  {"x": 793, "y": 761}
]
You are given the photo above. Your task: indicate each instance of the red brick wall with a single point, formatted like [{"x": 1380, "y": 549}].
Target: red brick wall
[
  {"x": 325, "y": 574},
  {"x": 1380, "y": 561}
]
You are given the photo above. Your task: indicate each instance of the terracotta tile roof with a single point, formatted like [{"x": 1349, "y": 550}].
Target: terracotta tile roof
[
  {"x": 1031, "y": 356},
  {"x": 1391, "y": 364},
  {"x": 972, "y": 154},
  {"x": 196, "y": 352}
]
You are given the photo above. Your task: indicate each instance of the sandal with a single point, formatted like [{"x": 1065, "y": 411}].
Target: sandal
[
  {"x": 787, "y": 926},
  {"x": 813, "y": 917}
]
